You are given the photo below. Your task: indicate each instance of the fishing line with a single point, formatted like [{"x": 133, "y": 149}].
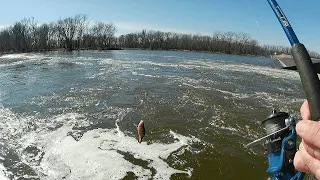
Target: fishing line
[{"x": 277, "y": 79}]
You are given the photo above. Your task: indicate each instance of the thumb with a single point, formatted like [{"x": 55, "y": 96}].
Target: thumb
[
  {"x": 305, "y": 110},
  {"x": 309, "y": 131}
]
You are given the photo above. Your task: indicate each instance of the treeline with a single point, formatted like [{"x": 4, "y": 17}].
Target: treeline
[
  {"x": 77, "y": 33},
  {"x": 229, "y": 42},
  {"x": 69, "y": 33},
  {"x": 219, "y": 42}
]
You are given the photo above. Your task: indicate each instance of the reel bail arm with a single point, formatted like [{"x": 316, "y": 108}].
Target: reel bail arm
[{"x": 280, "y": 145}]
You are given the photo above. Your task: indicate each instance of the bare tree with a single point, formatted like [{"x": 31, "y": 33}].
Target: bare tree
[
  {"x": 6, "y": 40},
  {"x": 42, "y": 37},
  {"x": 27, "y": 35},
  {"x": 104, "y": 33},
  {"x": 70, "y": 29}
]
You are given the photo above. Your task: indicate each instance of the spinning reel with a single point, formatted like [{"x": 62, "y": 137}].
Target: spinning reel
[{"x": 280, "y": 144}]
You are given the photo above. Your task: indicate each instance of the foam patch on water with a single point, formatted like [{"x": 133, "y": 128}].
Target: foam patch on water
[
  {"x": 270, "y": 98},
  {"x": 24, "y": 56},
  {"x": 9, "y": 60},
  {"x": 97, "y": 154},
  {"x": 13, "y": 56},
  {"x": 141, "y": 74},
  {"x": 226, "y": 66},
  {"x": 2, "y": 173}
]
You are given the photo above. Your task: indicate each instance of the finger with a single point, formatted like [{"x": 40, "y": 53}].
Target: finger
[
  {"x": 312, "y": 150},
  {"x": 312, "y": 163},
  {"x": 308, "y": 130},
  {"x": 305, "y": 111},
  {"x": 298, "y": 162}
]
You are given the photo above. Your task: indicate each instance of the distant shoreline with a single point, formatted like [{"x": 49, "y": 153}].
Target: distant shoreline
[
  {"x": 29, "y": 36},
  {"x": 118, "y": 49},
  {"x": 59, "y": 50},
  {"x": 212, "y": 52}
]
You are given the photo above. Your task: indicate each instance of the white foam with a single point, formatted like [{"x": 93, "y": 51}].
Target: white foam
[
  {"x": 2, "y": 173},
  {"x": 23, "y": 56},
  {"x": 223, "y": 66},
  {"x": 19, "y": 59},
  {"x": 98, "y": 154},
  {"x": 141, "y": 74},
  {"x": 12, "y": 56}
]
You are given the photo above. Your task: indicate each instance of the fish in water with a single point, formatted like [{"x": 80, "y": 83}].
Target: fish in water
[{"x": 141, "y": 131}]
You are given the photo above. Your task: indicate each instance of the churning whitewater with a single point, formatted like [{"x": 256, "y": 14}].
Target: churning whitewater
[
  {"x": 65, "y": 153},
  {"x": 71, "y": 115}
]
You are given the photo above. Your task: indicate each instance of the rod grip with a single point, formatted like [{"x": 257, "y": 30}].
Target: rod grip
[{"x": 309, "y": 78}]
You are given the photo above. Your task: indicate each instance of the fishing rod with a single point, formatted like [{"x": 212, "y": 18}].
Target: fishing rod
[
  {"x": 308, "y": 76},
  {"x": 280, "y": 141}
]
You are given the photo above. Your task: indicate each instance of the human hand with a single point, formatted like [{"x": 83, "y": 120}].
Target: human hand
[{"x": 307, "y": 158}]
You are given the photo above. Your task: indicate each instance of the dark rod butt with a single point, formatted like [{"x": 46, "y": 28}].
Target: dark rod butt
[{"x": 309, "y": 78}]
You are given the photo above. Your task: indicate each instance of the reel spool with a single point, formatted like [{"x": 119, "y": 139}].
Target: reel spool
[{"x": 277, "y": 127}]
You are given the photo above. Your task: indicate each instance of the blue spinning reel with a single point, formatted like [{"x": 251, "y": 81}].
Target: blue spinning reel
[{"x": 280, "y": 144}]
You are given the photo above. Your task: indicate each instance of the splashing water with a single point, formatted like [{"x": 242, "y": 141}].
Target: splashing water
[{"x": 70, "y": 116}]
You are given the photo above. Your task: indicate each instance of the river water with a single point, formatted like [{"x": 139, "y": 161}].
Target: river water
[{"x": 72, "y": 115}]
